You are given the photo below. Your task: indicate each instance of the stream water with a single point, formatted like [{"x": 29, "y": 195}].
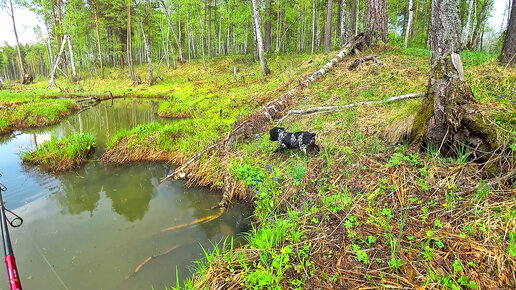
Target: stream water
[{"x": 94, "y": 227}]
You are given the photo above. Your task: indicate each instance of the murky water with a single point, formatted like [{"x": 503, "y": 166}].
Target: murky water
[{"x": 95, "y": 227}]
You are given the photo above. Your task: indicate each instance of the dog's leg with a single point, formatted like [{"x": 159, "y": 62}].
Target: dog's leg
[
  {"x": 317, "y": 149},
  {"x": 303, "y": 148}
]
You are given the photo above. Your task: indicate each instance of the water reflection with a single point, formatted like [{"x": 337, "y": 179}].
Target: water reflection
[{"x": 90, "y": 228}]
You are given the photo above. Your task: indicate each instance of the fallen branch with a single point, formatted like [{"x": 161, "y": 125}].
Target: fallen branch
[
  {"x": 361, "y": 60},
  {"x": 320, "y": 110}
]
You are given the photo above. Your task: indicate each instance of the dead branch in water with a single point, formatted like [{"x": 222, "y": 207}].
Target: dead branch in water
[
  {"x": 329, "y": 109},
  {"x": 140, "y": 266},
  {"x": 361, "y": 60}
]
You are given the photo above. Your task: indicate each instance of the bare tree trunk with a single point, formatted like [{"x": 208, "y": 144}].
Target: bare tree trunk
[
  {"x": 171, "y": 24},
  {"x": 313, "y": 23},
  {"x": 51, "y": 83},
  {"x": 146, "y": 42},
  {"x": 72, "y": 60},
  {"x": 409, "y": 22},
  {"x": 202, "y": 40},
  {"x": 465, "y": 33},
  {"x": 26, "y": 78},
  {"x": 129, "y": 43},
  {"x": 343, "y": 22},
  {"x": 268, "y": 25},
  {"x": 376, "y": 21},
  {"x": 98, "y": 39},
  {"x": 480, "y": 24},
  {"x": 327, "y": 27},
  {"x": 449, "y": 114},
  {"x": 508, "y": 54},
  {"x": 258, "y": 29}
]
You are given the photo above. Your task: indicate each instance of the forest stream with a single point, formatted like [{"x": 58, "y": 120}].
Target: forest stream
[{"x": 107, "y": 226}]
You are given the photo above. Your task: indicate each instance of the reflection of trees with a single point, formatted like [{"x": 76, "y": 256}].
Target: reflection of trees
[
  {"x": 130, "y": 189},
  {"x": 78, "y": 194}
]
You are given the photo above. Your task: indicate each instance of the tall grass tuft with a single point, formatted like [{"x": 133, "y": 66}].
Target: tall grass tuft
[{"x": 61, "y": 155}]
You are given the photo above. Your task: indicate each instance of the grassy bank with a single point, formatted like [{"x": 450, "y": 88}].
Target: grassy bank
[{"x": 61, "y": 155}]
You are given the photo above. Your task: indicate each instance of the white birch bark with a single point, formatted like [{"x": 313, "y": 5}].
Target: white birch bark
[
  {"x": 409, "y": 22},
  {"x": 258, "y": 28}
]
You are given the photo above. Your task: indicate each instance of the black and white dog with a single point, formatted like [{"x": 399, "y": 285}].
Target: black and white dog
[{"x": 301, "y": 140}]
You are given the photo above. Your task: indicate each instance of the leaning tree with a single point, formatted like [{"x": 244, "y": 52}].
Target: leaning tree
[
  {"x": 508, "y": 54},
  {"x": 449, "y": 115}
]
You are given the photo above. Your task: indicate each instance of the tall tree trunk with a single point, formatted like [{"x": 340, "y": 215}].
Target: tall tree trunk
[
  {"x": 129, "y": 43},
  {"x": 508, "y": 54},
  {"x": 26, "y": 78},
  {"x": 355, "y": 18},
  {"x": 409, "y": 22},
  {"x": 146, "y": 42},
  {"x": 465, "y": 33},
  {"x": 327, "y": 27},
  {"x": 171, "y": 24},
  {"x": 313, "y": 23},
  {"x": 202, "y": 41},
  {"x": 343, "y": 22},
  {"x": 376, "y": 21},
  {"x": 72, "y": 61},
  {"x": 258, "y": 29},
  {"x": 98, "y": 38},
  {"x": 448, "y": 116},
  {"x": 209, "y": 29},
  {"x": 268, "y": 25},
  {"x": 51, "y": 82},
  {"x": 479, "y": 25}
]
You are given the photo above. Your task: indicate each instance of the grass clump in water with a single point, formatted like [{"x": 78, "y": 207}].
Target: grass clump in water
[{"x": 61, "y": 155}]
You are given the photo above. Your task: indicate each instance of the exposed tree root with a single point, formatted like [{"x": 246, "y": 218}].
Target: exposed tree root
[
  {"x": 329, "y": 109},
  {"x": 361, "y": 60}
]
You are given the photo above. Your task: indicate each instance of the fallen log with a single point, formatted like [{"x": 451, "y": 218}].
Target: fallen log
[
  {"x": 361, "y": 60},
  {"x": 320, "y": 110},
  {"x": 273, "y": 109}
]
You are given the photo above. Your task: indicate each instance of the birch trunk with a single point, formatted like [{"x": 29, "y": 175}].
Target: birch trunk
[
  {"x": 146, "y": 42},
  {"x": 465, "y": 34},
  {"x": 268, "y": 25},
  {"x": 409, "y": 22},
  {"x": 475, "y": 39},
  {"x": 258, "y": 29},
  {"x": 448, "y": 116},
  {"x": 51, "y": 82},
  {"x": 327, "y": 27},
  {"x": 174, "y": 34},
  {"x": 72, "y": 60},
  {"x": 343, "y": 22}
]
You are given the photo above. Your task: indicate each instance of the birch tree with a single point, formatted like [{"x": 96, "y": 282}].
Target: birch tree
[
  {"x": 258, "y": 29},
  {"x": 409, "y": 22},
  {"x": 465, "y": 33},
  {"x": 99, "y": 45},
  {"x": 174, "y": 34},
  {"x": 448, "y": 116}
]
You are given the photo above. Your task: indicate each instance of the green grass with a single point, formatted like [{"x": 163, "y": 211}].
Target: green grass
[{"x": 61, "y": 155}]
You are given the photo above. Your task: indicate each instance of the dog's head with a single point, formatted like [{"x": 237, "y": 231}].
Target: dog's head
[{"x": 274, "y": 133}]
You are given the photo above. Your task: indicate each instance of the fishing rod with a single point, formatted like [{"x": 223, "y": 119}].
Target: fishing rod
[{"x": 12, "y": 270}]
